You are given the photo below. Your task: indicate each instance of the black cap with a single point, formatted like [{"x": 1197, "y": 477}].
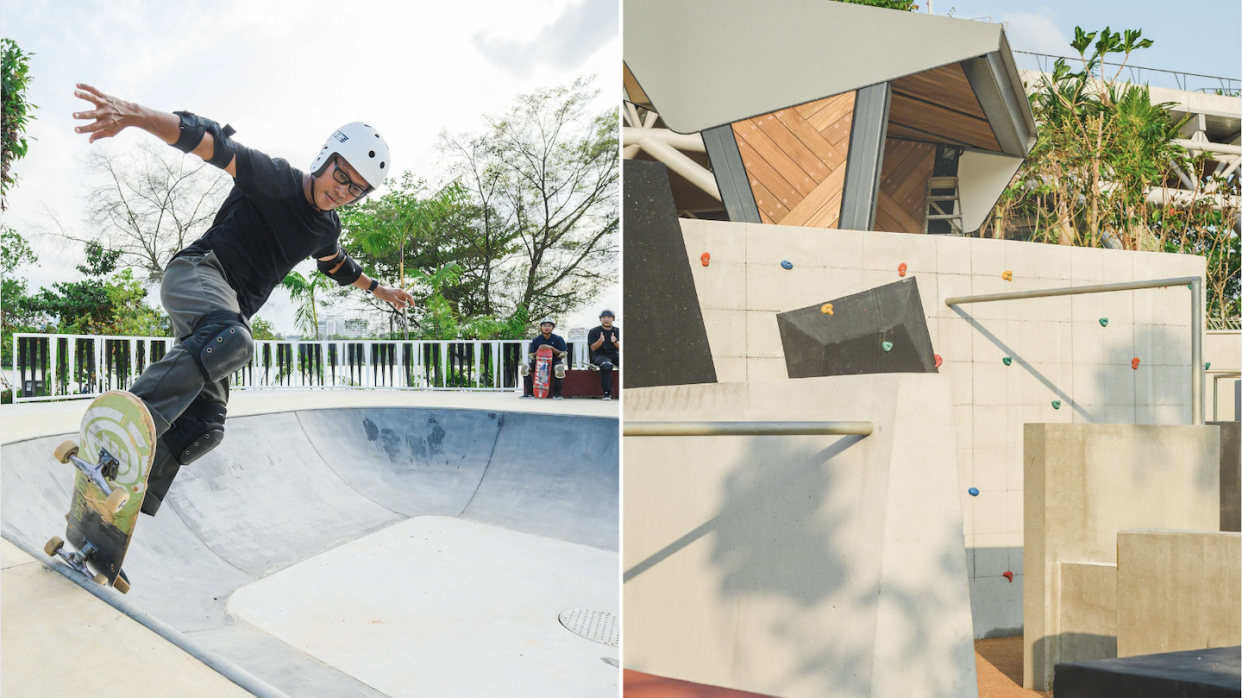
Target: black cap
[{"x": 609, "y": 313}]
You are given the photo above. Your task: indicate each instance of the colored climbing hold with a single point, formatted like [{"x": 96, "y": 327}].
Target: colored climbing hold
[
  {"x": 901, "y": 269},
  {"x": 1008, "y": 360},
  {"x": 705, "y": 258},
  {"x": 1007, "y": 276},
  {"x": 974, "y": 491},
  {"x": 1103, "y": 322},
  {"x": 888, "y": 346},
  {"x": 1207, "y": 365},
  {"x": 1134, "y": 363},
  {"x": 826, "y": 308},
  {"x": 938, "y": 360},
  {"x": 1008, "y": 575},
  {"x": 1056, "y": 404},
  {"x": 787, "y": 264}
]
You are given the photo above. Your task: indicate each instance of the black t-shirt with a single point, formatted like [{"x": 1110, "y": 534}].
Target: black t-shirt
[
  {"x": 265, "y": 228},
  {"x": 555, "y": 341},
  {"x": 607, "y": 347}
]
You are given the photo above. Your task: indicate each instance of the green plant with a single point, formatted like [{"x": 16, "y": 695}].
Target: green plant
[
  {"x": 307, "y": 291},
  {"x": 17, "y": 112}
]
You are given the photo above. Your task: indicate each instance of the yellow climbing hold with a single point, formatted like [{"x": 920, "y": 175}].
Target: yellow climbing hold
[
  {"x": 826, "y": 308},
  {"x": 1007, "y": 276}
]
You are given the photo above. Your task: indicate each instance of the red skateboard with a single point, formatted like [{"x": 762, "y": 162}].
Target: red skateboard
[{"x": 543, "y": 371}]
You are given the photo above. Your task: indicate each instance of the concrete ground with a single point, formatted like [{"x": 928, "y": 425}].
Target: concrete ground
[{"x": 217, "y": 537}]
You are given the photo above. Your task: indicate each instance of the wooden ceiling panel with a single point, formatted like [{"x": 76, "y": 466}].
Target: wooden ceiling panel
[
  {"x": 946, "y": 86},
  {"x": 939, "y": 106},
  {"x": 941, "y": 122}
]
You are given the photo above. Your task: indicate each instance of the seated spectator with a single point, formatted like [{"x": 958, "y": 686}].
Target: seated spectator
[
  {"x": 559, "y": 356},
  {"x": 605, "y": 343}
]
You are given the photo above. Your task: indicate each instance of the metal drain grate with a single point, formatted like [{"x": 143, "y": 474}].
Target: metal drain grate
[{"x": 596, "y": 626}]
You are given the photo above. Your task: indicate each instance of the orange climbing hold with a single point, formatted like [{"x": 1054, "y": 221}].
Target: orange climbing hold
[
  {"x": 826, "y": 308},
  {"x": 705, "y": 258},
  {"x": 901, "y": 269},
  {"x": 1008, "y": 575},
  {"x": 1134, "y": 363},
  {"x": 938, "y": 360},
  {"x": 1007, "y": 276}
]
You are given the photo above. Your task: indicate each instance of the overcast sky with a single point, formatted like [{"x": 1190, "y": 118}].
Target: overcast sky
[{"x": 285, "y": 74}]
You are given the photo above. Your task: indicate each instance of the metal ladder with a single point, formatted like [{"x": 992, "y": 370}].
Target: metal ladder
[{"x": 943, "y": 204}]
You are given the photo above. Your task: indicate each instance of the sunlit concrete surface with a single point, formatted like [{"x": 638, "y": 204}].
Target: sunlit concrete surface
[
  {"x": 303, "y": 473},
  {"x": 119, "y": 657},
  {"x": 438, "y": 606}
]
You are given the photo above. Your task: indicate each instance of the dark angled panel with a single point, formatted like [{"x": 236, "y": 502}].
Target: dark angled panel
[
  {"x": 730, "y": 174},
  {"x": 850, "y": 340},
  {"x": 666, "y": 342},
  {"x": 1213, "y": 673}
]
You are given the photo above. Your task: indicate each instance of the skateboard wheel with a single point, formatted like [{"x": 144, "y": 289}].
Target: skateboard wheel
[
  {"x": 66, "y": 448},
  {"x": 116, "y": 500},
  {"x": 53, "y": 544},
  {"x": 100, "y": 579},
  {"x": 121, "y": 585}
]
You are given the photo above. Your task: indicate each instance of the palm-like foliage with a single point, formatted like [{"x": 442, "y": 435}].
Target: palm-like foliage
[{"x": 306, "y": 292}]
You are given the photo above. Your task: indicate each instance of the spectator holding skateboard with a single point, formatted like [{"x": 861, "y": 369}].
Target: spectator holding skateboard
[
  {"x": 605, "y": 343},
  {"x": 274, "y": 217},
  {"x": 560, "y": 352}
]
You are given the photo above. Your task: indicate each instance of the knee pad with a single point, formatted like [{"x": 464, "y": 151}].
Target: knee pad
[
  {"x": 559, "y": 370},
  {"x": 220, "y": 344},
  {"x": 198, "y": 430},
  {"x": 605, "y": 365}
]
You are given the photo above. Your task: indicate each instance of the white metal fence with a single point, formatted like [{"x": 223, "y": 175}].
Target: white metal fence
[{"x": 57, "y": 367}]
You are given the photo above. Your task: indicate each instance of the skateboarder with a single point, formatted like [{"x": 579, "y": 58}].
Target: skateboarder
[
  {"x": 559, "y": 354},
  {"x": 274, "y": 217},
  {"x": 605, "y": 343}
]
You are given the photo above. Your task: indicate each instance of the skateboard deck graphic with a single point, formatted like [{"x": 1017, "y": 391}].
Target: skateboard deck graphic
[
  {"x": 543, "y": 371},
  {"x": 116, "y": 445}
]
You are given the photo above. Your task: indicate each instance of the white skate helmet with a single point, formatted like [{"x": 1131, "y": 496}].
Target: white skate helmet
[{"x": 362, "y": 147}]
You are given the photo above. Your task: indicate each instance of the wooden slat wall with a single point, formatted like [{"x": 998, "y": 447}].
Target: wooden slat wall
[
  {"x": 795, "y": 159},
  {"x": 903, "y": 186},
  {"x": 939, "y": 106}
]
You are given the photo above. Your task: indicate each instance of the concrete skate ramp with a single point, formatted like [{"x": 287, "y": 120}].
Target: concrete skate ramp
[{"x": 287, "y": 487}]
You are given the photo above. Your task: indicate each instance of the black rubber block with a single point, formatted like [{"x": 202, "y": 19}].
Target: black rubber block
[
  {"x": 1213, "y": 673},
  {"x": 851, "y": 339},
  {"x": 666, "y": 342}
]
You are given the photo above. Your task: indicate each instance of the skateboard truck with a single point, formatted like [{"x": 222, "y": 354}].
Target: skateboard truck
[
  {"x": 67, "y": 452},
  {"x": 77, "y": 559}
]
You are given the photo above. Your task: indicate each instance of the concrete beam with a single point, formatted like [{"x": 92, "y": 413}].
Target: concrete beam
[{"x": 868, "y": 130}]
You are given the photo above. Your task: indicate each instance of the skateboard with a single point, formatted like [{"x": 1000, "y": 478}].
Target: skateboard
[
  {"x": 119, "y": 435},
  {"x": 543, "y": 371}
]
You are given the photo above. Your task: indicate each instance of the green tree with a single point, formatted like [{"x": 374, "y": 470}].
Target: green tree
[
  {"x": 262, "y": 329},
  {"x": 106, "y": 302},
  {"x": 17, "y": 112},
  {"x": 1105, "y": 168},
  {"x": 15, "y": 311},
  {"x": 307, "y": 292}
]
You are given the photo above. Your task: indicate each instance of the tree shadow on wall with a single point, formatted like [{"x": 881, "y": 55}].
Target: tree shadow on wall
[{"x": 801, "y": 527}]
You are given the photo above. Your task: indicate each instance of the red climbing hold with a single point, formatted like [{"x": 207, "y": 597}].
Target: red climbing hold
[
  {"x": 901, "y": 269},
  {"x": 1009, "y": 576},
  {"x": 705, "y": 258},
  {"x": 938, "y": 360},
  {"x": 1134, "y": 363}
]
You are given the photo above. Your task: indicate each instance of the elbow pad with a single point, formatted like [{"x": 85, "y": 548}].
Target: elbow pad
[
  {"x": 192, "y": 129},
  {"x": 348, "y": 272}
]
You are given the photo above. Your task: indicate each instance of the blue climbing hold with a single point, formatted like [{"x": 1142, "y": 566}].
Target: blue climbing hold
[
  {"x": 974, "y": 491},
  {"x": 787, "y": 264},
  {"x": 888, "y": 346}
]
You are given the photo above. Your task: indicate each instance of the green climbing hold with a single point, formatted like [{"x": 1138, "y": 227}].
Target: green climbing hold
[
  {"x": 1008, "y": 360},
  {"x": 1207, "y": 365},
  {"x": 888, "y": 346},
  {"x": 1103, "y": 322},
  {"x": 1056, "y": 404}
]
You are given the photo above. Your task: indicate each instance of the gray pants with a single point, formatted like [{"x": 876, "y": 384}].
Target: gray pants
[{"x": 192, "y": 287}]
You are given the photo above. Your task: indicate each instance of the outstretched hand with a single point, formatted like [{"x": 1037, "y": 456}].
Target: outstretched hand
[
  {"x": 398, "y": 298},
  {"x": 110, "y": 116}
]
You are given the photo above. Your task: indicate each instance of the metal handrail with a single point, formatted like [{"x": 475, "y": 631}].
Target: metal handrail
[
  {"x": 1197, "y": 368},
  {"x": 1180, "y": 77},
  {"x": 747, "y": 428},
  {"x": 1217, "y": 374}
]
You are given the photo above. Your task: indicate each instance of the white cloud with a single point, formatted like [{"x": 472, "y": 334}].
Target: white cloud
[{"x": 284, "y": 73}]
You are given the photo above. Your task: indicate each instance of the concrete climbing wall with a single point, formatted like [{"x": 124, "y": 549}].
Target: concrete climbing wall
[{"x": 1058, "y": 349}]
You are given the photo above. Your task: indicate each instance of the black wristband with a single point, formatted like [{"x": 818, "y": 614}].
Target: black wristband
[{"x": 374, "y": 285}]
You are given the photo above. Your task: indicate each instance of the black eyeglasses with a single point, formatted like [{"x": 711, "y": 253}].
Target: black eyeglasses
[{"x": 339, "y": 175}]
